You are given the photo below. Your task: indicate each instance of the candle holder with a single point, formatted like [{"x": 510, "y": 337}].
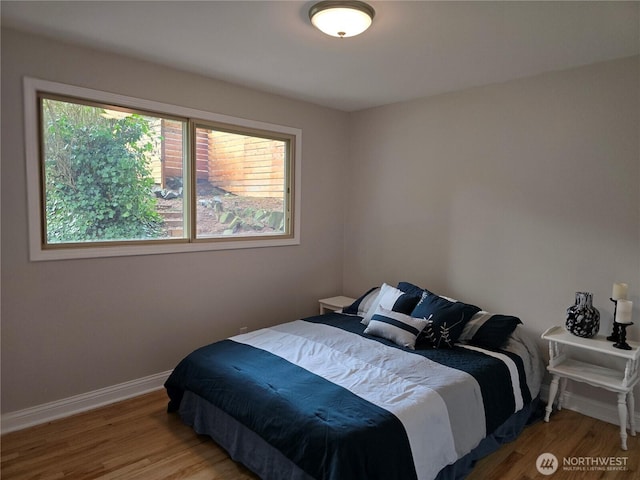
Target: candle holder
[
  {"x": 622, "y": 340},
  {"x": 615, "y": 334}
]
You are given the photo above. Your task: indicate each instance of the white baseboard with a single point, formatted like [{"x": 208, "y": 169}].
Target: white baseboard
[
  {"x": 46, "y": 412},
  {"x": 607, "y": 412},
  {"x": 12, "y": 421}
]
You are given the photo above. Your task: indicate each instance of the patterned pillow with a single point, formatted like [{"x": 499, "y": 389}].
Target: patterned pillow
[
  {"x": 445, "y": 320},
  {"x": 489, "y": 330},
  {"x": 362, "y": 305},
  {"x": 392, "y": 299},
  {"x": 401, "y": 329}
]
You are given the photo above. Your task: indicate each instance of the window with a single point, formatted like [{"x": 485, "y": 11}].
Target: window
[
  {"x": 242, "y": 182},
  {"x": 113, "y": 175},
  {"x": 105, "y": 172}
]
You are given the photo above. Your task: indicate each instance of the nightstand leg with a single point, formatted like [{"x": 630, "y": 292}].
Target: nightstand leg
[
  {"x": 622, "y": 413},
  {"x": 632, "y": 412},
  {"x": 553, "y": 389},
  {"x": 563, "y": 388}
]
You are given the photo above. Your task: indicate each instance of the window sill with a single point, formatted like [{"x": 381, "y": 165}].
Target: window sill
[{"x": 40, "y": 254}]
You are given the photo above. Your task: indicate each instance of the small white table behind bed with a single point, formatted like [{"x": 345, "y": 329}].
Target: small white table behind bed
[
  {"x": 562, "y": 367},
  {"x": 333, "y": 304}
]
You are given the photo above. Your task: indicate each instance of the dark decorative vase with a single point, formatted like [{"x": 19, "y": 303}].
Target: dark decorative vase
[{"x": 583, "y": 319}]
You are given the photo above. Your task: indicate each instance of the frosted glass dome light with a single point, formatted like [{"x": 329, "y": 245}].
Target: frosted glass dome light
[{"x": 341, "y": 18}]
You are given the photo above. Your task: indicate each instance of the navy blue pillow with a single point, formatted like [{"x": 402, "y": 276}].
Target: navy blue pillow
[
  {"x": 406, "y": 303},
  {"x": 495, "y": 331},
  {"x": 411, "y": 289},
  {"x": 446, "y": 320}
]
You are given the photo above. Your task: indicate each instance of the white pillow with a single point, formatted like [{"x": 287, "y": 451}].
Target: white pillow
[
  {"x": 387, "y": 296},
  {"x": 363, "y": 304},
  {"x": 401, "y": 329}
]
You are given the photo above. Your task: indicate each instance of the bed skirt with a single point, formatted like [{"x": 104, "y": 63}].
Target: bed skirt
[
  {"x": 505, "y": 433},
  {"x": 242, "y": 444},
  {"x": 246, "y": 447}
]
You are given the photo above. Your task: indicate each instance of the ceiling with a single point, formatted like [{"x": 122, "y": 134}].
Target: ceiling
[{"x": 413, "y": 49}]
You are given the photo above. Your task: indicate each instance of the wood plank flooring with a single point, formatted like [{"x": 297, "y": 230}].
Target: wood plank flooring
[{"x": 136, "y": 439}]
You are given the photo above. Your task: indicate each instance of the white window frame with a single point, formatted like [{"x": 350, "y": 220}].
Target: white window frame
[{"x": 34, "y": 193}]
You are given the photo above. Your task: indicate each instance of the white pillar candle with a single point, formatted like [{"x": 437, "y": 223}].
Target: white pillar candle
[
  {"x": 623, "y": 311},
  {"x": 619, "y": 291}
]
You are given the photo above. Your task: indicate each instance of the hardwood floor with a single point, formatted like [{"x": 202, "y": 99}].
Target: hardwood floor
[
  {"x": 137, "y": 439},
  {"x": 568, "y": 435}
]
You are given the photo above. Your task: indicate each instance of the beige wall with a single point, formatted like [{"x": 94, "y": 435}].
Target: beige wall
[
  {"x": 510, "y": 196},
  {"x": 70, "y": 327}
]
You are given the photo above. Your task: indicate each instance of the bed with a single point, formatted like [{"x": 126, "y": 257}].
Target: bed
[{"x": 370, "y": 393}]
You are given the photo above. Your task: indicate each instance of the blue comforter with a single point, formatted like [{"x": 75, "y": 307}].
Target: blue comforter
[{"x": 344, "y": 405}]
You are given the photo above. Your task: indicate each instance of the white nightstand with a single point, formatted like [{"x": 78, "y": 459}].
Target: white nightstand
[
  {"x": 334, "y": 303},
  {"x": 563, "y": 367}
]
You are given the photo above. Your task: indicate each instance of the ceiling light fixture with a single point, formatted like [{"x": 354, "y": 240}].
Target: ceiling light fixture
[{"x": 341, "y": 18}]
